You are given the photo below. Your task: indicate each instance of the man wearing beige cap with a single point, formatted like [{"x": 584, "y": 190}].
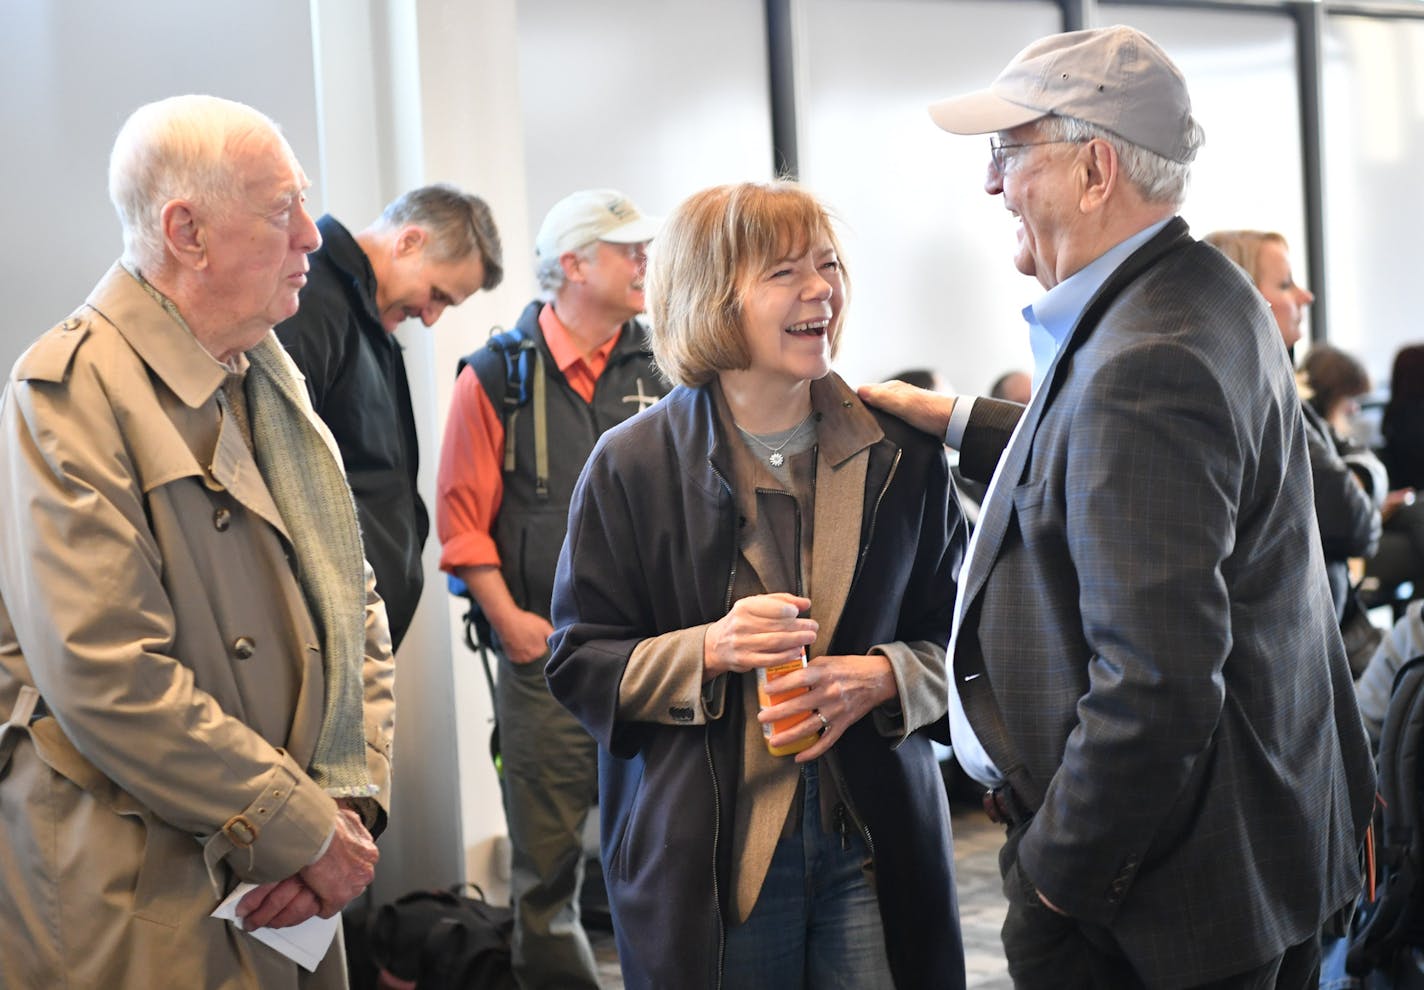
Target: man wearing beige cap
[
  {"x": 528, "y": 408},
  {"x": 1148, "y": 675}
]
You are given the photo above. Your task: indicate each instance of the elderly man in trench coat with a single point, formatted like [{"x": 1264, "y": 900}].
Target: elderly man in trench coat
[{"x": 195, "y": 675}]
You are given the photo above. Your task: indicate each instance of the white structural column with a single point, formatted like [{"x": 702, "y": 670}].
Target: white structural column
[
  {"x": 412, "y": 92},
  {"x": 473, "y": 135}
]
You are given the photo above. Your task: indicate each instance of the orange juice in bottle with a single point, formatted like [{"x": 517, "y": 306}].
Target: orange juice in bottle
[{"x": 767, "y": 695}]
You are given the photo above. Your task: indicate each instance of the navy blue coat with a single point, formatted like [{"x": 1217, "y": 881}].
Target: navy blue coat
[{"x": 651, "y": 548}]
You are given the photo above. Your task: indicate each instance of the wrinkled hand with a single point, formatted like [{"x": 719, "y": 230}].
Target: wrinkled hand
[
  {"x": 921, "y": 408},
  {"x": 759, "y": 631},
  {"x": 277, "y": 905},
  {"x": 524, "y": 636},
  {"x": 841, "y": 688},
  {"x": 346, "y": 868}
]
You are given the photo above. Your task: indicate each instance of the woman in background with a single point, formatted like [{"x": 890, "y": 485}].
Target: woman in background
[
  {"x": 756, "y": 512},
  {"x": 1348, "y": 516}
]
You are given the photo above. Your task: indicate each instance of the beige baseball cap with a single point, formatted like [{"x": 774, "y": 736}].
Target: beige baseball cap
[
  {"x": 591, "y": 215},
  {"x": 1114, "y": 77}
]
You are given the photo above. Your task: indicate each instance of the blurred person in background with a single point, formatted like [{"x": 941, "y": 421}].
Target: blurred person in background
[
  {"x": 1397, "y": 570},
  {"x": 431, "y": 248},
  {"x": 1348, "y": 515},
  {"x": 507, "y": 472}
]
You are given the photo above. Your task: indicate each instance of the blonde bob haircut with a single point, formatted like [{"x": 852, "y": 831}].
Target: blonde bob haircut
[
  {"x": 1244, "y": 247},
  {"x": 704, "y": 258}
]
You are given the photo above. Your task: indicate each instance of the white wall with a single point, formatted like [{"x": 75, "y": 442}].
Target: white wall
[
  {"x": 622, "y": 95},
  {"x": 1374, "y": 140},
  {"x": 71, "y": 72},
  {"x": 930, "y": 256}
]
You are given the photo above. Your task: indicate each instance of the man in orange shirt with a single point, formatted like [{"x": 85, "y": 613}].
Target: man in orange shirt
[{"x": 507, "y": 473}]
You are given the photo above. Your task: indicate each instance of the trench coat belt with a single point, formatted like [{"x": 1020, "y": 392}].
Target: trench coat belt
[{"x": 29, "y": 708}]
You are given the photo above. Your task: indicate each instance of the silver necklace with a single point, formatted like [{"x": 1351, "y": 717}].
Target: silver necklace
[{"x": 775, "y": 458}]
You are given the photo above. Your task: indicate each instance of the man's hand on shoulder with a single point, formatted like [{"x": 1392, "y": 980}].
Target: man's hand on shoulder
[{"x": 921, "y": 408}]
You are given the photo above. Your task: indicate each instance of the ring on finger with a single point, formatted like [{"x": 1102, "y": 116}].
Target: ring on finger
[{"x": 825, "y": 722}]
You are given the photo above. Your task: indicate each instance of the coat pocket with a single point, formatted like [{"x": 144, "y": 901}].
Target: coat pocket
[{"x": 158, "y": 857}]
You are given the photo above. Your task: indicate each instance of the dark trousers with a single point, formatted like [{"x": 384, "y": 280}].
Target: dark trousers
[{"x": 1047, "y": 951}]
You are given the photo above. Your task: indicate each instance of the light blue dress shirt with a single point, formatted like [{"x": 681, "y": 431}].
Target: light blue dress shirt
[{"x": 1050, "y": 320}]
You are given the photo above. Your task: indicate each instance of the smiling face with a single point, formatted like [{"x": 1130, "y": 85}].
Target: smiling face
[
  {"x": 417, "y": 285},
  {"x": 791, "y": 310},
  {"x": 1288, "y": 300},
  {"x": 611, "y": 277},
  {"x": 255, "y": 248},
  {"x": 1038, "y": 184}
]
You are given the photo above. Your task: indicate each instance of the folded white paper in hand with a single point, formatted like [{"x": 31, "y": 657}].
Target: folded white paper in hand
[{"x": 305, "y": 944}]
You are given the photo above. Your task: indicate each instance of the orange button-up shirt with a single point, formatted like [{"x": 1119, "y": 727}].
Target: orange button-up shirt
[{"x": 469, "y": 485}]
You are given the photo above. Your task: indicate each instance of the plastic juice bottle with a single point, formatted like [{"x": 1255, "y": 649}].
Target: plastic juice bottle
[{"x": 768, "y": 695}]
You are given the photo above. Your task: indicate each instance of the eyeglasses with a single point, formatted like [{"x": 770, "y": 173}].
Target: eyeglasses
[
  {"x": 997, "y": 150},
  {"x": 633, "y": 251}
]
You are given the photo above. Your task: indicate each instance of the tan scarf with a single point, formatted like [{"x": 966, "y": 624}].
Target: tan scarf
[{"x": 311, "y": 492}]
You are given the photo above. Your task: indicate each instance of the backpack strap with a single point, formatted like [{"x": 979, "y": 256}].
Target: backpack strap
[{"x": 524, "y": 379}]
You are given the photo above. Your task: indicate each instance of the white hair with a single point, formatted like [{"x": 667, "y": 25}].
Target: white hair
[
  {"x": 550, "y": 271},
  {"x": 178, "y": 148},
  {"x": 1158, "y": 179}
]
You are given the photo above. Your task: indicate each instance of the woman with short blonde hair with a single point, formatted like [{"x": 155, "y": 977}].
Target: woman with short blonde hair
[
  {"x": 757, "y": 521},
  {"x": 707, "y": 258}
]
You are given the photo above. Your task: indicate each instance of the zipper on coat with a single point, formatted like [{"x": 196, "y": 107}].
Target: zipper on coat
[
  {"x": 842, "y": 825},
  {"x": 707, "y": 746},
  {"x": 716, "y": 839},
  {"x": 846, "y": 808}
]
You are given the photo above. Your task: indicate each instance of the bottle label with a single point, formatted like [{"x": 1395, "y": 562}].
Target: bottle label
[{"x": 768, "y": 696}]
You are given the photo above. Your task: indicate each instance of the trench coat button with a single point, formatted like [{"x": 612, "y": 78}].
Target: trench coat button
[
  {"x": 71, "y": 324},
  {"x": 222, "y": 519},
  {"x": 243, "y": 647}
]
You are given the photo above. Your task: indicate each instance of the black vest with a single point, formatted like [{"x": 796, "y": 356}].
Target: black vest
[{"x": 529, "y": 530}]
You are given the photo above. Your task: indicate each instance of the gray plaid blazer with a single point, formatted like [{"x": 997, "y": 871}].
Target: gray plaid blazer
[{"x": 1166, "y": 683}]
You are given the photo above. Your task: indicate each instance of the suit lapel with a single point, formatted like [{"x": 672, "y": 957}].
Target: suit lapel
[
  {"x": 995, "y": 515},
  {"x": 969, "y": 663}
]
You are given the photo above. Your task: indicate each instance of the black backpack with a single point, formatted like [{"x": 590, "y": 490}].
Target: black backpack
[
  {"x": 523, "y": 381},
  {"x": 1390, "y": 916},
  {"x": 444, "y": 940}
]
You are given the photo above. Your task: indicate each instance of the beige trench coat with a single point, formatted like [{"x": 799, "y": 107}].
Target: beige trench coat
[{"x": 146, "y": 592}]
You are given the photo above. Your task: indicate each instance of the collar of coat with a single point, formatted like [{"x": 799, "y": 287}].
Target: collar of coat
[
  {"x": 340, "y": 249},
  {"x": 845, "y": 433},
  {"x": 159, "y": 339},
  {"x": 844, "y": 427}
]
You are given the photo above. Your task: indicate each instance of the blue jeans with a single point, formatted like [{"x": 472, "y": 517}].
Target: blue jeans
[
  {"x": 816, "y": 922},
  {"x": 1332, "y": 966}
]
